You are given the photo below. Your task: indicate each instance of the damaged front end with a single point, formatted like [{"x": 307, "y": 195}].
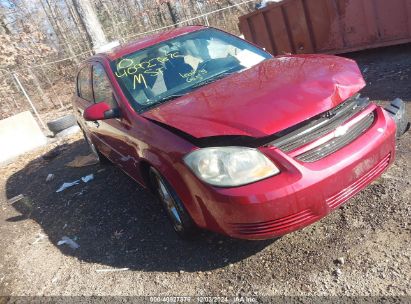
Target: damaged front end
[
  {"x": 306, "y": 106},
  {"x": 328, "y": 132},
  {"x": 292, "y": 137},
  {"x": 314, "y": 138}
]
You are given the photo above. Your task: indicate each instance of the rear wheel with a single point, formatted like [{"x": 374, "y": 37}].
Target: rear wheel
[{"x": 180, "y": 219}]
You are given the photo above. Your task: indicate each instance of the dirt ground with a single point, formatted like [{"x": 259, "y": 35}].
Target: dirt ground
[{"x": 127, "y": 246}]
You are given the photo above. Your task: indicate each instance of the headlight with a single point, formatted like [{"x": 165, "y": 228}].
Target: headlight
[{"x": 230, "y": 166}]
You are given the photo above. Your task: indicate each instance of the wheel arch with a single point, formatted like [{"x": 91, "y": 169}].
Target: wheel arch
[{"x": 174, "y": 178}]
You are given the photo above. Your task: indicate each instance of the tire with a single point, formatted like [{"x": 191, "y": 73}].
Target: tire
[
  {"x": 403, "y": 126},
  {"x": 62, "y": 123},
  {"x": 398, "y": 112},
  {"x": 100, "y": 157},
  {"x": 181, "y": 221}
]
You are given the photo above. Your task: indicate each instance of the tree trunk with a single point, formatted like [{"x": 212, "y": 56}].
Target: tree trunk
[
  {"x": 78, "y": 28},
  {"x": 143, "y": 15},
  {"x": 113, "y": 21},
  {"x": 60, "y": 31},
  {"x": 173, "y": 13},
  {"x": 91, "y": 23},
  {"x": 3, "y": 26},
  {"x": 238, "y": 7}
]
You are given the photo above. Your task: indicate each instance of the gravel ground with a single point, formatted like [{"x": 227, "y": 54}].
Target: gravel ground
[{"x": 128, "y": 248}]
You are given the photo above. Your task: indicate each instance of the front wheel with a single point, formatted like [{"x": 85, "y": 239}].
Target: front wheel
[{"x": 180, "y": 219}]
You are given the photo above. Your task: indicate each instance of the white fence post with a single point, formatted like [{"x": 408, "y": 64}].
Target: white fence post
[{"x": 29, "y": 100}]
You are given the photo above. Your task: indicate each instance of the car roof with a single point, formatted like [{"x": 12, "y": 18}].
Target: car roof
[{"x": 148, "y": 41}]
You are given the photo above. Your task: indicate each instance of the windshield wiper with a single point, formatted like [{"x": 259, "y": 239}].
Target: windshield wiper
[
  {"x": 161, "y": 100},
  {"x": 171, "y": 97},
  {"x": 212, "y": 79},
  {"x": 200, "y": 84}
]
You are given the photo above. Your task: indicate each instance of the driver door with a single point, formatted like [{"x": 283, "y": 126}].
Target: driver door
[{"x": 108, "y": 133}]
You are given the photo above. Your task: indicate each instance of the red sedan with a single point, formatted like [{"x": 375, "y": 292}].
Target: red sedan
[{"x": 230, "y": 138}]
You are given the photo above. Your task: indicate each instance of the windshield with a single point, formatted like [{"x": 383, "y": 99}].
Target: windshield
[{"x": 178, "y": 66}]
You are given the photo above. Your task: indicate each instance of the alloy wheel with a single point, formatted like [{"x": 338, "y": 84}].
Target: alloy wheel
[{"x": 169, "y": 204}]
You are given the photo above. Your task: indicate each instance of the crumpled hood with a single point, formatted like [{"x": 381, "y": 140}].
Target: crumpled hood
[{"x": 267, "y": 98}]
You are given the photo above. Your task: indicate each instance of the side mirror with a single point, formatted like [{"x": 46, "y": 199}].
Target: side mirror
[{"x": 100, "y": 111}]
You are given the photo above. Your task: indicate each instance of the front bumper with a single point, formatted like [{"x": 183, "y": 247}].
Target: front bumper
[{"x": 303, "y": 192}]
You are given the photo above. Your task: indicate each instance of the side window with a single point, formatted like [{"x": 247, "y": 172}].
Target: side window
[
  {"x": 84, "y": 84},
  {"x": 101, "y": 86}
]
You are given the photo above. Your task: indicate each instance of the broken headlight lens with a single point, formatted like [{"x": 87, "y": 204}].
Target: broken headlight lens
[{"x": 230, "y": 166}]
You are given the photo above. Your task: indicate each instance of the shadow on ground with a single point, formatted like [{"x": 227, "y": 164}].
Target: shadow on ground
[{"x": 116, "y": 222}]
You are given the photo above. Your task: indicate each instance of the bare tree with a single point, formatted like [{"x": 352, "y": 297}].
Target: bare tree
[
  {"x": 238, "y": 7},
  {"x": 173, "y": 12},
  {"x": 3, "y": 25},
  {"x": 91, "y": 23}
]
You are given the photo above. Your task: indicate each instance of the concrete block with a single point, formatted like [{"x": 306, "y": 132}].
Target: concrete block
[{"x": 19, "y": 134}]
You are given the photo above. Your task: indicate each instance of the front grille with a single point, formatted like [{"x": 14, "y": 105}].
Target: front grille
[
  {"x": 337, "y": 143},
  {"x": 318, "y": 126},
  {"x": 281, "y": 224}
]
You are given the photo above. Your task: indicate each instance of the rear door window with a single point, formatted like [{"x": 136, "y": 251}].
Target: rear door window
[{"x": 84, "y": 89}]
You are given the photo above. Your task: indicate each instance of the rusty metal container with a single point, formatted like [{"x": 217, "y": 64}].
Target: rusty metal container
[{"x": 328, "y": 26}]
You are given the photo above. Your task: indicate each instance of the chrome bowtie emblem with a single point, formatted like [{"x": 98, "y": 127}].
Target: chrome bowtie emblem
[
  {"x": 329, "y": 114},
  {"x": 340, "y": 131}
]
